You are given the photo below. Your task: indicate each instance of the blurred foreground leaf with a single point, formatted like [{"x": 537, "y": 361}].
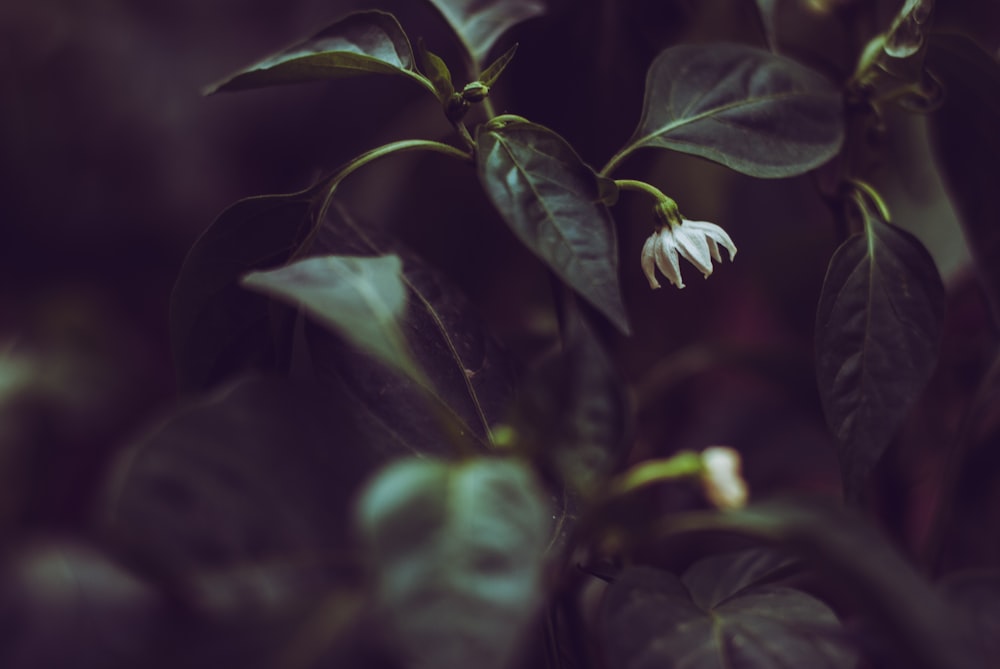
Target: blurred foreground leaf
[{"x": 457, "y": 552}]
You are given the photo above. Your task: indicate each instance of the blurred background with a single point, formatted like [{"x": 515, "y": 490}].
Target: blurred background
[{"x": 112, "y": 163}]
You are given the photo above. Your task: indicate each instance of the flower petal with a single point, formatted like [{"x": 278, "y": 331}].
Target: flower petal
[
  {"x": 649, "y": 259},
  {"x": 666, "y": 257},
  {"x": 714, "y": 234},
  {"x": 693, "y": 245}
]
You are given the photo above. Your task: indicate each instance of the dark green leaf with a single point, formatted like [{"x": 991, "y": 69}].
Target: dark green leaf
[
  {"x": 362, "y": 298},
  {"x": 496, "y": 68},
  {"x": 652, "y": 619},
  {"x": 963, "y": 131},
  {"x": 863, "y": 567},
  {"x": 370, "y": 42},
  {"x": 753, "y": 111},
  {"x": 878, "y": 328},
  {"x": 243, "y": 501},
  {"x": 715, "y": 579},
  {"x": 457, "y": 553},
  {"x": 480, "y": 23},
  {"x": 444, "y": 334},
  {"x": 553, "y": 203},
  {"x": 436, "y": 70},
  {"x": 574, "y": 409},
  {"x": 218, "y": 328}
]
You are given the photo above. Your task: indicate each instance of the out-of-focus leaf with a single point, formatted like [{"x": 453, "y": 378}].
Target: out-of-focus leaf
[
  {"x": 751, "y": 110},
  {"x": 573, "y": 410},
  {"x": 362, "y": 298},
  {"x": 468, "y": 372},
  {"x": 218, "y": 328},
  {"x": 552, "y": 202},
  {"x": 963, "y": 132},
  {"x": 370, "y": 42},
  {"x": 242, "y": 502},
  {"x": 767, "y": 11},
  {"x": 976, "y": 593},
  {"x": 721, "y": 613},
  {"x": 67, "y": 604},
  {"x": 926, "y": 630},
  {"x": 480, "y": 23},
  {"x": 457, "y": 553},
  {"x": 878, "y": 329}
]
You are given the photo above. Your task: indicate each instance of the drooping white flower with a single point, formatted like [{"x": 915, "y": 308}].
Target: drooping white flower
[
  {"x": 721, "y": 478},
  {"x": 697, "y": 241}
]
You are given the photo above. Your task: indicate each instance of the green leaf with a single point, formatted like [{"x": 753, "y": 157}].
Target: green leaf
[
  {"x": 370, "y": 42},
  {"x": 480, "y": 23},
  {"x": 436, "y": 70},
  {"x": 242, "y": 501},
  {"x": 457, "y": 552},
  {"x": 496, "y": 68},
  {"x": 464, "y": 367},
  {"x": 963, "y": 132},
  {"x": 574, "y": 410},
  {"x": 862, "y": 566},
  {"x": 878, "y": 328},
  {"x": 362, "y": 298},
  {"x": 753, "y": 111},
  {"x": 717, "y": 615},
  {"x": 217, "y": 328},
  {"x": 553, "y": 203}
]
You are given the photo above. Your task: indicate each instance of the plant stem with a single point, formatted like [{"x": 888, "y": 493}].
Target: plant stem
[
  {"x": 402, "y": 146},
  {"x": 616, "y": 161},
  {"x": 642, "y": 187}
]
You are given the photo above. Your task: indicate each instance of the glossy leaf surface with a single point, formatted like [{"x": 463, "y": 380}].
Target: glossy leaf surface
[
  {"x": 217, "y": 328},
  {"x": 719, "y": 614},
  {"x": 457, "y": 551},
  {"x": 362, "y": 298},
  {"x": 963, "y": 131},
  {"x": 878, "y": 328},
  {"x": 751, "y": 110},
  {"x": 370, "y": 42},
  {"x": 480, "y": 23},
  {"x": 552, "y": 201}
]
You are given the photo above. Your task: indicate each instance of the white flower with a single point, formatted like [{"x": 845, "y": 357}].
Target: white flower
[
  {"x": 721, "y": 479},
  {"x": 697, "y": 241}
]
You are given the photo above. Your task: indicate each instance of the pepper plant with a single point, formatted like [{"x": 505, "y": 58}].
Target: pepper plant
[{"x": 371, "y": 476}]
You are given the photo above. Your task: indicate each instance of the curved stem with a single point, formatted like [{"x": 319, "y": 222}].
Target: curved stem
[
  {"x": 642, "y": 187},
  {"x": 617, "y": 160},
  {"x": 402, "y": 146}
]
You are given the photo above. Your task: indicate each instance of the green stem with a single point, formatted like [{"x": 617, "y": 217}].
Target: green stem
[
  {"x": 463, "y": 130},
  {"x": 642, "y": 187},
  {"x": 616, "y": 160},
  {"x": 403, "y": 146},
  {"x": 489, "y": 109},
  {"x": 680, "y": 466}
]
